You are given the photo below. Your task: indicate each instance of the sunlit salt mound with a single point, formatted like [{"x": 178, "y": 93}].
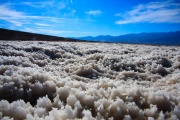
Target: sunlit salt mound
[{"x": 59, "y": 81}]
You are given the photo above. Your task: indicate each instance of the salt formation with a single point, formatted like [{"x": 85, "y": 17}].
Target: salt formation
[{"x": 66, "y": 80}]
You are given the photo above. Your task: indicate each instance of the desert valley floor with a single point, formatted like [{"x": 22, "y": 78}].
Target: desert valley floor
[{"x": 74, "y": 80}]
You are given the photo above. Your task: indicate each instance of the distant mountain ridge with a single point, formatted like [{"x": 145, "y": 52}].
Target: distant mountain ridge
[{"x": 159, "y": 38}]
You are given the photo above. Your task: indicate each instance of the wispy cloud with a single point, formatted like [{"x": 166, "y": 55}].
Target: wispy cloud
[
  {"x": 57, "y": 32},
  {"x": 42, "y": 24},
  {"x": 48, "y": 31},
  {"x": 39, "y": 4},
  {"x": 5, "y": 11},
  {"x": 94, "y": 12},
  {"x": 153, "y": 12},
  {"x": 19, "y": 18},
  {"x": 59, "y": 5},
  {"x": 9, "y": 15},
  {"x": 39, "y": 24}
]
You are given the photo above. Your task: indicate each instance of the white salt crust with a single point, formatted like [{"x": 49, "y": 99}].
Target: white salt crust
[{"x": 72, "y": 80}]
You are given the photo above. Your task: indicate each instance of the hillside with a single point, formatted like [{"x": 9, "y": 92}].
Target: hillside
[{"x": 6, "y": 34}]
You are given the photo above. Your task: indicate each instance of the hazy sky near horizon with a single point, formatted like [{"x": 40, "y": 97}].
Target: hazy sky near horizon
[{"x": 76, "y": 18}]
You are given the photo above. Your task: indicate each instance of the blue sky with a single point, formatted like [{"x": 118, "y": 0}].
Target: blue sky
[{"x": 76, "y": 18}]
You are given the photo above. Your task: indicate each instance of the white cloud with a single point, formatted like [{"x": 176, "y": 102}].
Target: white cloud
[
  {"x": 48, "y": 31},
  {"x": 41, "y": 24},
  {"x": 39, "y": 4},
  {"x": 19, "y": 18},
  {"x": 55, "y": 32},
  {"x": 94, "y": 12},
  {"x": 11, "y": 16},
  {"x": 5, "y": 11},
  {"x": 153, "y": 12},
  {"x": 59, "y": 5},
  {"x": 15, "y": 22}
]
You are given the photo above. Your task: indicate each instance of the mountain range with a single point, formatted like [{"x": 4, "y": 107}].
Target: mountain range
[{"x": 158, "y": 38}]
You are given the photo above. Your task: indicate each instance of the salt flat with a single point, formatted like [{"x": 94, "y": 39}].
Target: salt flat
[{"x": 73, "y": 80}]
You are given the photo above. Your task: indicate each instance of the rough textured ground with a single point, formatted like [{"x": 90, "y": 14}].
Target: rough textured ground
[{"x": 66, "y": 80}]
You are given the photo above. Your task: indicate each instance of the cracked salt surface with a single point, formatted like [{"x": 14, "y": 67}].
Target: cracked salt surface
[{"x": 71, "y": 80}]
